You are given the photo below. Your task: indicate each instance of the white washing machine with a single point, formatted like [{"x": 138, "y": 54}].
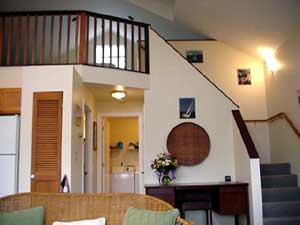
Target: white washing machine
[{"x": 123, "y": 182}]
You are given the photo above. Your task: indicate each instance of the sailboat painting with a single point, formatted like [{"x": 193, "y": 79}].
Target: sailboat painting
[{"x": 187, "y": 108}]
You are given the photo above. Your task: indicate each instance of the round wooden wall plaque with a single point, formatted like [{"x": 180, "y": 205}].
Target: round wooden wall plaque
[{"x": 189, "y": 143}]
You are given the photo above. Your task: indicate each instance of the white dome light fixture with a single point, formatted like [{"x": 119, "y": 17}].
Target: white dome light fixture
[{"x": 119, "y": 95}]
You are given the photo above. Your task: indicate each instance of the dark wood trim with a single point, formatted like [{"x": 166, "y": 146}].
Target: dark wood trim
[
  {"x": 9, "y": 40},
  {"x": 59, "y": 38},
  {"x": 58, "y": 12},
  {"x": 200, "y": 39},
  {"x": 82, "y": 41},
  {"x": 95, "y": 40},
  {"x": 18, "y": 40},
  {"x": 280, "y": 115},
  {"x": 103, "y": 38},
  {"x": 252, "y": 152},
  {"x": 26, "y": 37},
  {"x": 42, "y": 50},
  {"x": 51, "y": 39},
  {"x": 34, "y": 40},
  {"x": 76, "y": 38},
  {"x": 210, "y": 81},
  {"x": 2, "y": 26},
  {"x": 147, "y": 50},
  {"x": 68, "y": 38}
]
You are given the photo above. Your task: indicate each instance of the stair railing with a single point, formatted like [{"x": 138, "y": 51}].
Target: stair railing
[
  {"x": 280, "y": 115},
  {"x": 73, "y": 37}
]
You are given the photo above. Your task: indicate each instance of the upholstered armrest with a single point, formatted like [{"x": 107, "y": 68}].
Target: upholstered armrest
[{"x": 183, "y": 222}]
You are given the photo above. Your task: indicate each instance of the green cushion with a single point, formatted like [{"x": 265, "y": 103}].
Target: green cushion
[
  {"x": 33, "y": 216},
  {"x": 136, "y": 216}
]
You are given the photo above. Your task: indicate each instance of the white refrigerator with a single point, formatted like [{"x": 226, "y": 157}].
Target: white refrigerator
[{"x": 9, "y": 154}]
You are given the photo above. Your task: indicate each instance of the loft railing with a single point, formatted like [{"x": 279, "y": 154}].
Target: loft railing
[
  {"x": 73, "y": 37},
  {"x": 281, "y": 115}
]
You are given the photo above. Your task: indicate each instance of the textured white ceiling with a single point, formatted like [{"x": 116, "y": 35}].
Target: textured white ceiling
[{"x": 243, "y": 24}]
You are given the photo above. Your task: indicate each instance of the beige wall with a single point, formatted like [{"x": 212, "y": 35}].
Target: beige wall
[
  {"x": 124, "y": 130},
  {"x": 282, "y": 87},
  {"x": 220, "y": 64}
]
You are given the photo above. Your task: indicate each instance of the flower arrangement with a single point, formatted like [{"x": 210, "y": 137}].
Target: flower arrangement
[{"x": 163, "y": 164}]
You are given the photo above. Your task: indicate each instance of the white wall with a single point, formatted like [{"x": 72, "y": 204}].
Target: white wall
[
  {"x": 41, "y": 79},
  {"x": 171, "y": 78},
  {"x": 10, "y": 77},
  {"x": 81, "y": 97},
  {"x": 220, "y": 64},
  {"x": 282, "y": 87}
]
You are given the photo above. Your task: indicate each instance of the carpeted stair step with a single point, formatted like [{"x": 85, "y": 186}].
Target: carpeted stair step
[
  {"x": 281, "y": 194},
  {"x": 282, "y": 221},
  {"x": 281, "y": 209},
  {"x": 279, "y": 181},
  {"x": 275, "y": 169}
]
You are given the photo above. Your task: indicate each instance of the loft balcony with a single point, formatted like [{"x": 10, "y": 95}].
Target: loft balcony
[{"x": 73, "y": 37}]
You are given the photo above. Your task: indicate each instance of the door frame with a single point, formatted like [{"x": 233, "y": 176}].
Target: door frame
[{"x": 100, "y": 155}]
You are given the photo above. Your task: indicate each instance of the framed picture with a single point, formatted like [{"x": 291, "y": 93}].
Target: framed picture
[
  {"x": 194, "y": 56},
  {"x": 95, "y": 136},
  {"x": 77, "y": 115},
  {"x": 244, "y": 76},
  {"x": 187, "y": 108}
]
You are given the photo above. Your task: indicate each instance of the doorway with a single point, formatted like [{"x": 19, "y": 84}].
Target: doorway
[
  {"x": 122, "y": 160},
  {"x": 87, "y": 148}
]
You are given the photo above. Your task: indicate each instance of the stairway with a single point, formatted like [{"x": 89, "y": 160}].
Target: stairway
[{"x": 280, "y": 195}]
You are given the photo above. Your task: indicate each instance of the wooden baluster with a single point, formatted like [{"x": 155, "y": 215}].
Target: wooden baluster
[
  {"x": 125, "y": 44},
  {"x": 18, "y": 40},
  {"x": 146, "y": 35},
  {"x": 103, "y": 38},
  {"x": 83, "y": 35},
  {"x": 87, "y": 39},
  {"x": 110, "y": 42},
  {"x": 76, "y": 39},
  {"x": 132, "y": 47},
  {"x": 118, "y": 43},
  {"x": 26, "y": 36},
  {"x": 59, "y": 38},
  {"x": 2, "y": 26},
  {"x": 34, "y": 39},
  {"x": 42, "y": 53},
  {"x": 68, "y": 38},
  {"x": 140, "y": 49},
  {"x": 95, "y": 39},
  {"x": 51, "y": 40},
  {"x": 9, "y": 40}
]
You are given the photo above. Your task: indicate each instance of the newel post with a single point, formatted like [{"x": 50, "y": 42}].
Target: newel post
[{"x": 83, "y": 57}]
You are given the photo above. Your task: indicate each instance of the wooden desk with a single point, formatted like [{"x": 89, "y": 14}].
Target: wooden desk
[{"x": 226, "y": 198}]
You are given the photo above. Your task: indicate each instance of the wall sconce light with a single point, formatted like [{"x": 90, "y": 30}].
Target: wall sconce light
[
  {"x": 119, "y": 95},
  {"x": 269, "y": 56}
]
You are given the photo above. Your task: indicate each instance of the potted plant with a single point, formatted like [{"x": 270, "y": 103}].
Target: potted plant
[{"x": 163, "y": 165}]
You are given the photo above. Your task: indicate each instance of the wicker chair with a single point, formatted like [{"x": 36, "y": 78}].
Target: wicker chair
[{"x": 67, "y": 207}]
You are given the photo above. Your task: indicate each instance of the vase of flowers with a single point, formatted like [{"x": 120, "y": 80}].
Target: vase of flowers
[{"x": 165, "y": 167}]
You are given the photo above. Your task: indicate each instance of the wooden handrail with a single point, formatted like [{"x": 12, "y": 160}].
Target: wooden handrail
[
  {"x": 280, "y": 115},
  {"x": 250, "y": 146},
  {"x": 73, "y": 37}
]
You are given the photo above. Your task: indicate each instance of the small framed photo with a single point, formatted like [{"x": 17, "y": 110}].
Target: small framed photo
[
  {"x": 187, "y": 108},
  {"x": 95, "y": 136},
  {"x": 194, "y": 56},
  {"x": 244, "y": 76},
  {"x": 77, "y": 115}
]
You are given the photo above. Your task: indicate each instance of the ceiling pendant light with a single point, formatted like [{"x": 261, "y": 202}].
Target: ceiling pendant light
[{"x": 119, "y": 95}]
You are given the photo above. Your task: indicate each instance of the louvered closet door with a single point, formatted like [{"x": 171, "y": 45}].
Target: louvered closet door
[{"x": 46, "y": 141}]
